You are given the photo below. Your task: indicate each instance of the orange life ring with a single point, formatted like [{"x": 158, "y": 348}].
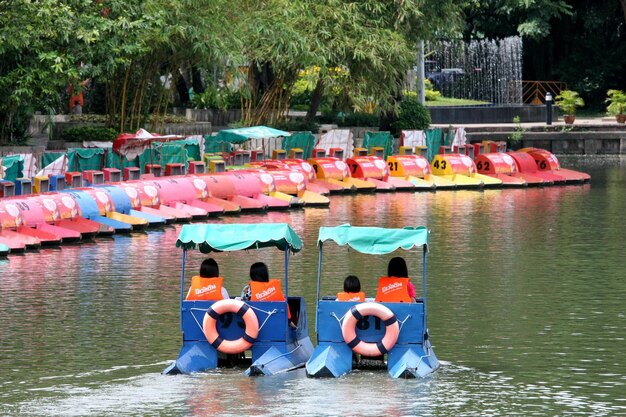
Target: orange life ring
[
  {"x": 209, "y": 326},
  {"x": 356, "y": 313}
]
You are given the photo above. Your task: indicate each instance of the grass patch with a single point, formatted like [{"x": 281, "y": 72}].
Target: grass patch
[{"x": 449, "y": 101}]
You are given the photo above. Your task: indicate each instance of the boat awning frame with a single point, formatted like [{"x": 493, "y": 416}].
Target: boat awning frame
[
  {"x": 374, "y": 240},
  {"x": 209, "y": 238},
  {"x": 243, "y": 134},
  {"x": 233, "y": 237}
]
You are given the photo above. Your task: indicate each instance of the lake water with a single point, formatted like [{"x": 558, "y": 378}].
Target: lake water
[{"x": 526, "y": 293}]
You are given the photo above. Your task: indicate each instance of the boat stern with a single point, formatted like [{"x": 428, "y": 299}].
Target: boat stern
[
  {"x": 194, "y": 356},
  {"x": 413, "y": 361},
  {"x": 330, "y": 360}
]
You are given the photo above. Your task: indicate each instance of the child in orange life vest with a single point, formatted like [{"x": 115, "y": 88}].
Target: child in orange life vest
[
  {"x": 207, "y": 285},
  {"x": 397, "y": 269},
  {"x": 265, "y": 290},
  {"x": 258, "y": 273},
  {"x": 351, "y": 290}
]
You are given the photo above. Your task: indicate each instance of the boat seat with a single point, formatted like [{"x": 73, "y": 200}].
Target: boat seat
[{"x": 293, "y": 304}]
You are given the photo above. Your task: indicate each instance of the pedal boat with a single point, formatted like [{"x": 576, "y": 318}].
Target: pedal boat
[
  {"x": 412, "y": 355},
  {"x": 279, "y": 345}
]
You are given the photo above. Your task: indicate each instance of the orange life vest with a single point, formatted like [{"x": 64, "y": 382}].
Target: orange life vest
[
  {"x": 351, "y": 296},
  {"x": 266, "y": 291},
  {"x": 205, "y": 288},
  {"x": 393, "y": 290}
]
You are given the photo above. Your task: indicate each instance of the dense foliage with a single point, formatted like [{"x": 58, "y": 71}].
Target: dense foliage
[
  {"x": 569, "y": 101},
  {"x": 88, "y": 133},
  {"x": 135, "y": 59},
  {"x": 616, "y": 100},
  {"x": 580, "y": 42},
  {"x": 412, "y": 115}
]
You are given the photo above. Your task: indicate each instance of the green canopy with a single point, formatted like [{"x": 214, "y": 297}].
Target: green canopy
[
  {"x": 115, "y": 160},
  {"x": 82, "y": 159},
  {"x": 212, "y": 146},
  {"x": 379, "y": 139},
  {"x": 49, "y": 157},
  {"x": 232, "y": 237},
  {"x": 374, "y": 240},
  {"x": 433, "y": 142},
  {"x": 302, "y": 140},
  {"x": 243, "y": 134},
  {"x": 13, "y": 167}
]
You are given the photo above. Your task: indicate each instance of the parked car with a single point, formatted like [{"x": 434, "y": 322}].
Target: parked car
[{"x": 441, "y": 76}]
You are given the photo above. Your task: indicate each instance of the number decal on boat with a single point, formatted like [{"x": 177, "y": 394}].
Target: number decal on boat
[
  {"x": 363, "y": 324},
  {"x": 226, "y": 319},
  {"x": 480, "y": 166},
  {"x": 441, "y": 164}
]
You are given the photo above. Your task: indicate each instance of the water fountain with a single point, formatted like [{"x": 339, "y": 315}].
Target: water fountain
[{"x": 485, "y": 70}]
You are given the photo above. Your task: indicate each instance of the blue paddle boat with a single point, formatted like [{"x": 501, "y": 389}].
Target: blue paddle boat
[
  {"x": 396, "y": 330},
  {"x": 217, "y": 332}
]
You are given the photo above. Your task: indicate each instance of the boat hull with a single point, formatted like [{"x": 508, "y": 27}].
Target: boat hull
[
  {"x": 330, "y": 360},
  {"x": 278, "y": 358},
  {"x": 279, "y": 347},
  {"x": 412, "y": 361},
  {"x": 412, "y": 355}
]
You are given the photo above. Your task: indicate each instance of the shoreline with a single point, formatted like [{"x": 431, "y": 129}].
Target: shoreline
[{"x": 587, "y": 136}]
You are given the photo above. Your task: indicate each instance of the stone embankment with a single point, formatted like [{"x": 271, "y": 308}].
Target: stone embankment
[
  {"x": 593, "y": 136},
  {"x": 587, "y": 136}
]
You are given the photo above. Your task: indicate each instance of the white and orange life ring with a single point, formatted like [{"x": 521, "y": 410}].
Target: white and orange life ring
[
  {"x": 209, "y": 326},
  {"x": 356, "y": 313}
]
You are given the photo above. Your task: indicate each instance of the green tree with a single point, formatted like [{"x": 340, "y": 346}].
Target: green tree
[
  {"x": 580, "y": 42},
  {"x": 375, "y": 41},
  {"x": 503, "y": 18},
  {"x": 40, "y": 45},
  {"x": 147, "y": 45}
]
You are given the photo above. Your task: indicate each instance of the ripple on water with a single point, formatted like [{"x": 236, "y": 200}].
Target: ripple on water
[{"x": 453, "y": 390}]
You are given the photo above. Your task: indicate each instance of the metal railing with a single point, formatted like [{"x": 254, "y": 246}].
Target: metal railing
[{"x": 534, "y": 92}]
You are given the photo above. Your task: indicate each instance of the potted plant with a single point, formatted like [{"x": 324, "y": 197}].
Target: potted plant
[
  {"x": 617, "y": 105},
  {"x": 568, "y": 101}
]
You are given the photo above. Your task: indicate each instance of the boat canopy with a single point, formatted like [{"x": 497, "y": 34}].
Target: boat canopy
[
  {"x": 233, "y": 237},
  {"x": 245, "y": 133},
  {"x": 374, "y": 240}
]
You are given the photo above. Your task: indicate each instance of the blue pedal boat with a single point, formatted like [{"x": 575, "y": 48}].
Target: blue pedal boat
[
  {"x": 411, "y": 354},
  {"x": 281, "y": 344}
]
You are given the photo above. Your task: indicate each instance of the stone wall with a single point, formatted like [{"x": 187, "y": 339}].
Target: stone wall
[
  {"x": 182, "y": 129},
  {"x": 575, "y": 143},
  {"x": 215, "y": 117},
  {"x": 488, "y": 114}
]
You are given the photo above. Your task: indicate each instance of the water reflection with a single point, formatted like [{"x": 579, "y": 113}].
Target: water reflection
[
  {"x": 525, "y": 308},
  {"x": 454, "y": 390}
]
